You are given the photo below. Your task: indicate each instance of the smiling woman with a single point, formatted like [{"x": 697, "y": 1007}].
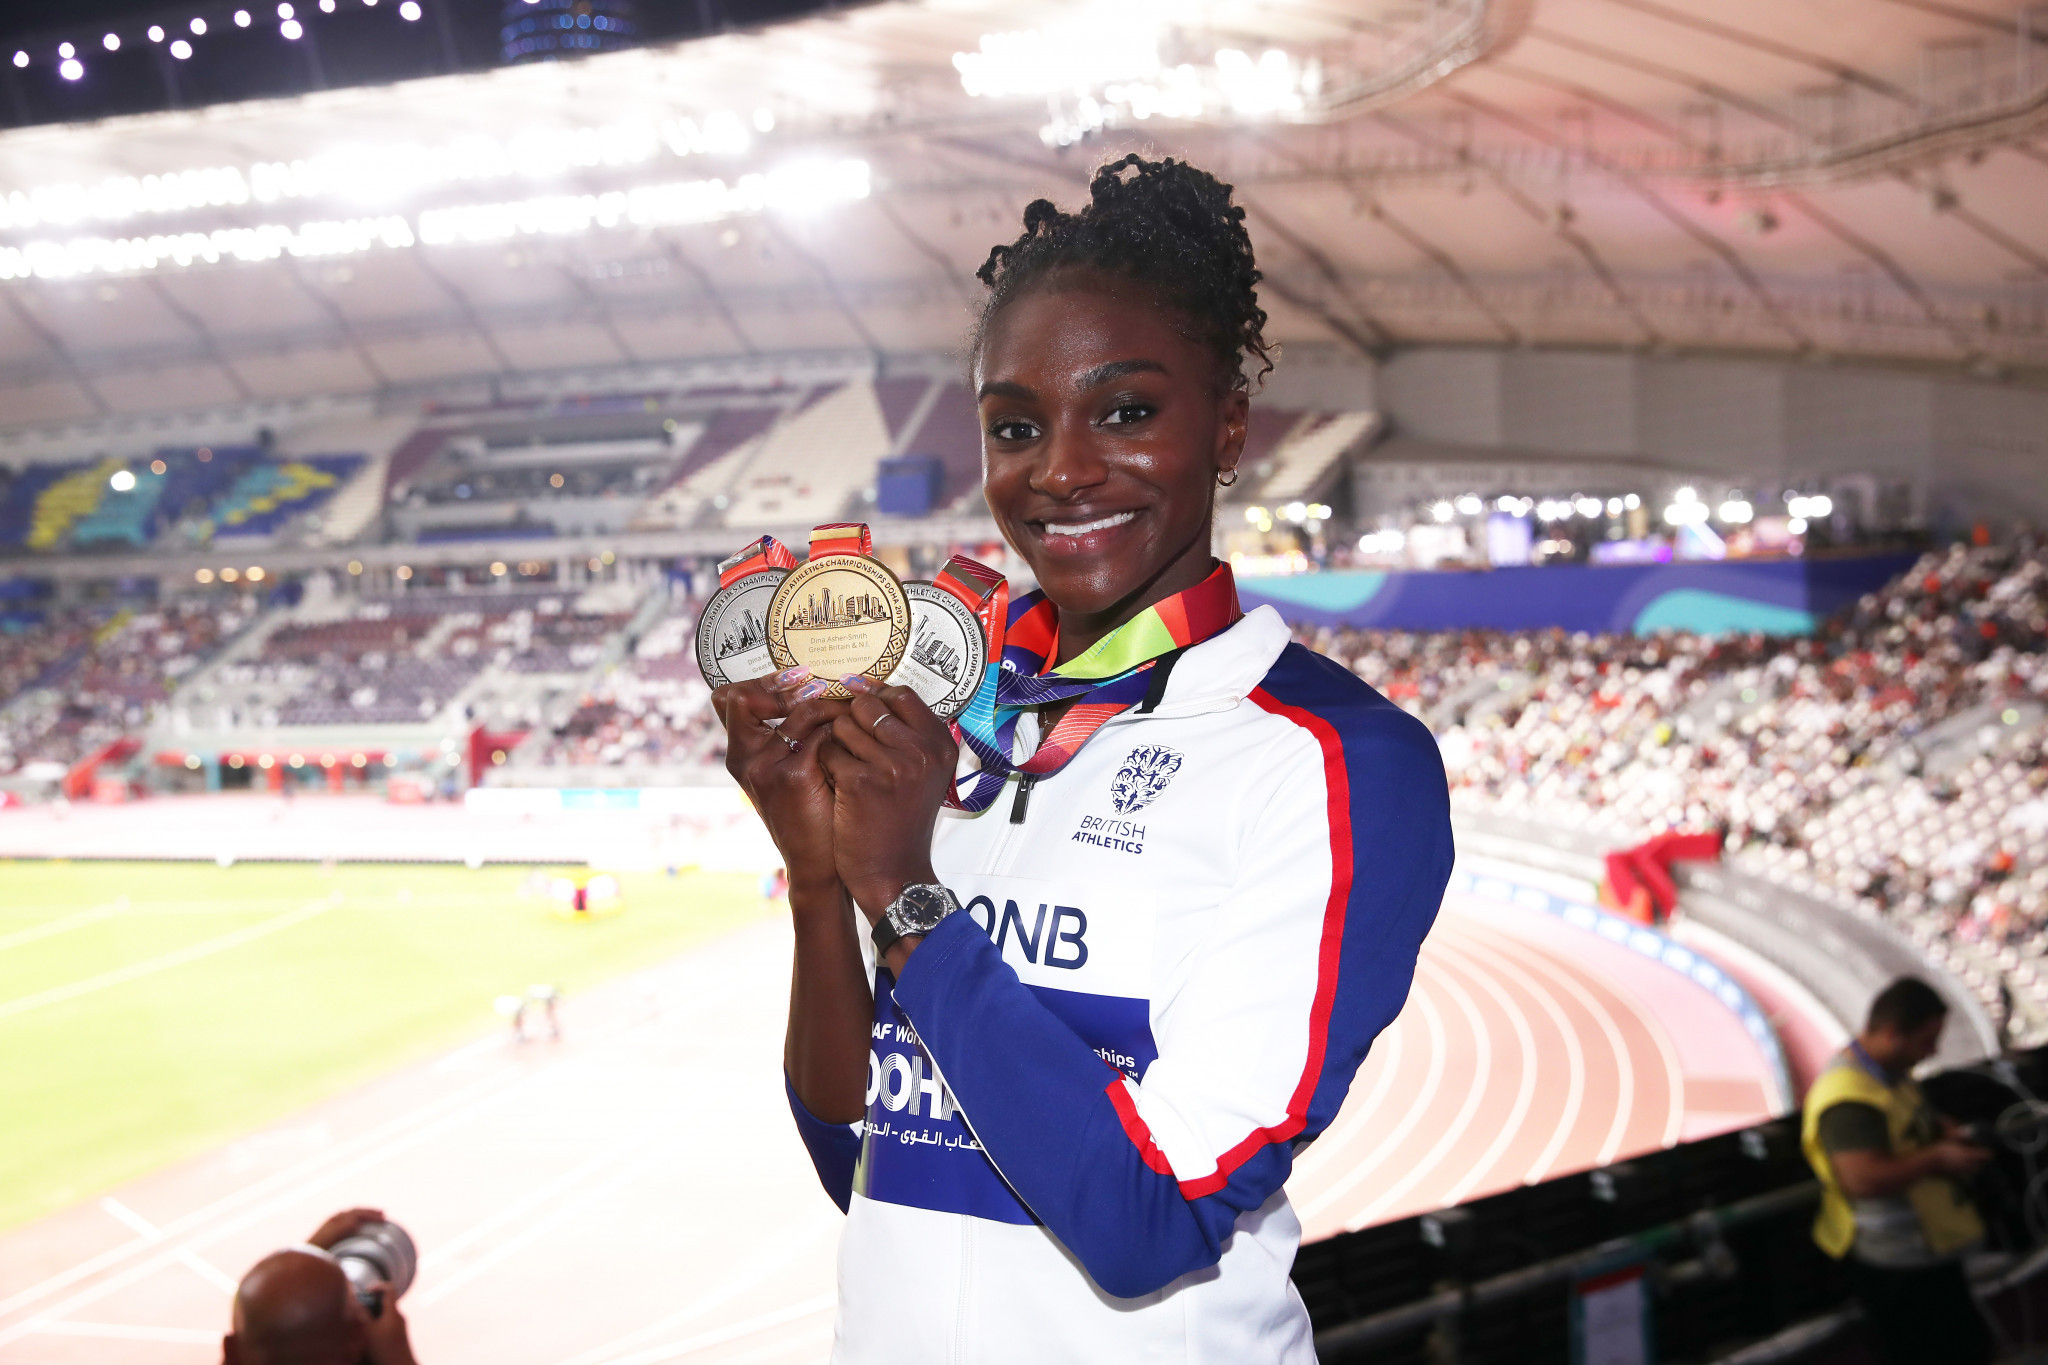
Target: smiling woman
[{"x": 1059, "y": 1081}]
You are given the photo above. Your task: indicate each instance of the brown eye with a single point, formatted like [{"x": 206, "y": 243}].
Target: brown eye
[
  {"x": 1123, "y": 414},
  {"x": 1012, "y": 429}
]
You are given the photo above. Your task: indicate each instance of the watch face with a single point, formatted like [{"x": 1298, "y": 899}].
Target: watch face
[{"x": 920, "y": 908}]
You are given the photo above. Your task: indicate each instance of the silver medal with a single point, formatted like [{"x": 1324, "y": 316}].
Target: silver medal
[
  {"x": 947, "y": 652},
  {"x": 732, "y": 634}
]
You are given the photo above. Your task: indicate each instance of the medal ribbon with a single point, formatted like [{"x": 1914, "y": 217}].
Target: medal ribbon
[
  {"x": 765, "y": 553},
  {"x": 1102, "y": 682},
  {"x": 841, "y": 538}
]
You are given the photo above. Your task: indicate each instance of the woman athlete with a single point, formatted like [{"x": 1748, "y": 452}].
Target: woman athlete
[{"x": 1054, "y": 1054}]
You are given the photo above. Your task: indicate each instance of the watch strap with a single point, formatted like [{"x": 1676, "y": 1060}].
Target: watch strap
[{"x": 885, "y": 936}]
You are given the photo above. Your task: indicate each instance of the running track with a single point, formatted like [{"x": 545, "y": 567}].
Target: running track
[{"x": 635, "y": 1195}]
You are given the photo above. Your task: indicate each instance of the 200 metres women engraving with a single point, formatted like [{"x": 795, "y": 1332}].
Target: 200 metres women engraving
[{"x": 840, "y": 612}]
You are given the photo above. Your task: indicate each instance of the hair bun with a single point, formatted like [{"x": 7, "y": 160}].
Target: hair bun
[{"x": 1164, "y": 224}]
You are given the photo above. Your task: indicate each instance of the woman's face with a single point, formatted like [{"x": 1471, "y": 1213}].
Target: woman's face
[{"x": 1103, "y": 432}]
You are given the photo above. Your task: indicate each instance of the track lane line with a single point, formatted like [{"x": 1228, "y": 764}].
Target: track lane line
[
  {"x": 1437, "y": 1061},
  {"x": 1525, "y": 1088},
  {"x": 1575, "y": 1062},
  {"x": 1624, "y": 1060},
  {"x": 1475, "y": 1092}
]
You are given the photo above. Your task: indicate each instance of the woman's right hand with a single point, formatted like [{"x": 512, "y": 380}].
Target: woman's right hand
[{"x": 777, "y": 767}]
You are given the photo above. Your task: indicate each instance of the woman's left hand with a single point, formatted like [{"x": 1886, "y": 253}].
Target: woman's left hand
[{"x": 890, "y": 762}]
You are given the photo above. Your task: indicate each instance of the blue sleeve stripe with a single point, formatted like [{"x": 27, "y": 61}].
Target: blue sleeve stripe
[{"x": 834, "y": 1149}]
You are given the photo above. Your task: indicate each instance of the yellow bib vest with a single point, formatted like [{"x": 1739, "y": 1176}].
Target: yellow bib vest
[{"x": 1947, "y": 1219}]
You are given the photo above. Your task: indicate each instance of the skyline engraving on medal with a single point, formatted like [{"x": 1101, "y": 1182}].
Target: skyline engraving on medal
[
  {"x": 948, "y": 652},
  {"x": 837, "y": 615},
  {"x": 732, "y": 634}
]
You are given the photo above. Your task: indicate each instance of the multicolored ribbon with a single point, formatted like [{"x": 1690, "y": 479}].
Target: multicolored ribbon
[
  {"x": 841, "y": 538},
  {"x": 765, "y": 553},
  {"x": 1102, "y": 682}
]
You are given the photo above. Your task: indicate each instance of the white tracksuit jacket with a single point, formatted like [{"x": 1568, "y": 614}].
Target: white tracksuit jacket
[{"x": 1085, "y": 1094}]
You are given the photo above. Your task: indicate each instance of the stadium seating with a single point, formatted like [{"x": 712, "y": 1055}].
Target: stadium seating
[{"x": 269, "y": 495}]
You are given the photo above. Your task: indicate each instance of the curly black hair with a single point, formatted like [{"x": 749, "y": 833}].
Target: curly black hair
[{"x": 1164, "y": 225}]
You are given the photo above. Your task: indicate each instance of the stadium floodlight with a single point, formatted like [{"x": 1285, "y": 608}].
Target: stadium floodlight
[
  {"x": 203, "y": 576},
  {"x": 198, "y": 27},
  {"x": 409, "y": 11},
  {"x": 66, "y": 50},
  {"x": 1254, "y": 513},
  {"x": 123, "y": 481},
  {"x": 1631, "y": 502},
  {"x": 1469, "y": 505},
  {"x": 1796, "y": 526},
  {"x": 1614, "y": 507},
  {"x": 71, "y": 68},
  {"x": 1736, "y": 512},
  {"x": 241, "y": 18},
  {"x": 1820, "y": 505},
  {"x": 291, "y": 29},
  {"x": 112, "y": 42},
  {"x": 156, "y": 33},
  {"x": 20, "y": 58},
  {"x": 1442, "y": 511},
  {"x": 327, "y": 6},
  {"x": 1588, "y": 507},
  {"x": 180, "y": 49},
  {"x": 284, "y": 11}
]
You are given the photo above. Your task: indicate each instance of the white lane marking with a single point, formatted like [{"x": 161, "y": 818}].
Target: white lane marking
[
  {"x": 64, "y": 924},
  {"x": 1525, "y": 1085},
  {"x": 135, "y": 971},
  {"x": 770, "y": 1264},
  {"x": 1359, "y": 1113},
  {"x": 433, "y": 1294},
  {"x": 1624, "y": 1061},
  {"x": 1575, "y": 1060},
  {"x": 655, "y": 1355},
  {"x": 1482, "y": 1071},
  {"x": 121, "y": 1331},
  {"x": 274, "y": 1192},
  {"x": 130, "y": 1219},
  {"x": 1432, "y": 1019}
]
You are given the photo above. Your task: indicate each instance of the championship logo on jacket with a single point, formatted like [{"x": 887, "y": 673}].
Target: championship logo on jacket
[{"x": 1146, "y": 771}]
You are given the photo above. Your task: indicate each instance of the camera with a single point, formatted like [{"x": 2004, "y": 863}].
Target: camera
[{"x": 379, "y": 1252}]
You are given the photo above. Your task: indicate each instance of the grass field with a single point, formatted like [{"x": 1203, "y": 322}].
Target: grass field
[{"x": 153, "y": 1010}]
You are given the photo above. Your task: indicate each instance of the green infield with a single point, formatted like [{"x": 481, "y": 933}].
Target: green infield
[{"x": 152, "y": 1010}]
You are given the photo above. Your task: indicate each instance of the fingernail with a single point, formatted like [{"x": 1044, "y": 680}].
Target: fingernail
[
  {"x": 792, "y": 675},
  {"x": 815, "y": 688},
  {"x": 857, "y": 682}
]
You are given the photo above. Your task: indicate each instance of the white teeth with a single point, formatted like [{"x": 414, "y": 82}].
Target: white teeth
[{"x": 1053, "y": 528}]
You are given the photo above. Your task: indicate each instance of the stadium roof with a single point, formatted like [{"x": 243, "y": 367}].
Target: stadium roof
[{"x": 1836, "y": 178}]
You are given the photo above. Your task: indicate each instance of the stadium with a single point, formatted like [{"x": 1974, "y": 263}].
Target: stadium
[{"x": 1659, "y": 417}]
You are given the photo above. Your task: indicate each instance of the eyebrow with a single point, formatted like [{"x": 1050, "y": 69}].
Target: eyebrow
[
  {"x": 1116, "y": 369},
  {"x": 1000, "y": 388}
]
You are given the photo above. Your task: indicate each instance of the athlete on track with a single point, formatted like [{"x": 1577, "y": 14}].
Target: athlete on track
[{"x": 1115, "y": 996}]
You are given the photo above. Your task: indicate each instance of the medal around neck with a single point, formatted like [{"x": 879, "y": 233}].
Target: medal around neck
[
  {"x": 732, "y": 634},
  {"x": 840, "y": 612},
  {"x": 949, "y": 651}
]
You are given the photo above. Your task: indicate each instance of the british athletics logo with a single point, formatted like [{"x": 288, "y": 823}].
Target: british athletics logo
[{"x": 1144, "y": 775}]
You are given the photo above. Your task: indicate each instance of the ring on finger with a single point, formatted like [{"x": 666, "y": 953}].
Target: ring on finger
[
  {"x": 794, "y": 745},
  {"x": 886, "y": 715}
]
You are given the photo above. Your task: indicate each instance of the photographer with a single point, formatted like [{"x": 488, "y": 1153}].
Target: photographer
[
  {"x": 1893, "y": 1206},
  {"x": 298, "y": 1307}
]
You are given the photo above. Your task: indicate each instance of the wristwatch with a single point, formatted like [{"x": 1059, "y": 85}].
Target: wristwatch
[{"x": 917, "y": 910}]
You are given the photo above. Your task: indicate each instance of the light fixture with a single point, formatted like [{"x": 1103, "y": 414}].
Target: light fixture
[
  {"x": 1469, "y": 505},
  {"x": 66, "y": 50},
  {"x": 1442, "y": 511},
  {"x": 1614, "y": 507},
  {"x": 409, "y": 11},
  {"x": 497, "y": 568},
  {"x": 123, "y": 481},
  {"x": 70, "y": 69},
  {"x": 230, "y": 575},
  {"x": 404, "y": 572},
  {"x": 112, "y": 42},
  {"x": 291, "y": 29},
  {"x": 1796, "y": 526},
  {"x": 156, "y": 33},
  {"x": 241, "y": 18},
  {"x": 1588, "y": 507},
  {"x": 255, "y": 574},
  {"x": 198, "y": 28},
  {"x": 204, "y": 576},
  {"x": 1736, "y": 511},
  {"x": 20, "y": 58},
  {"x": 157, "y": 466},
  {"x": 180, "y": 49},
  {"x": 284, "y": 11},
  {"x": 355, "y": 566},
  {"x": 327, "y": 6},
  {"x": 1631, "y": 502}
]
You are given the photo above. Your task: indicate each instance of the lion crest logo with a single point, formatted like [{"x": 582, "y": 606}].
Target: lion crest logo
[{"x": 1145, "y": 773}]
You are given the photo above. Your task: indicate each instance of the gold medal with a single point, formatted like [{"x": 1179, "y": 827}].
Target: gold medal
[{"x": 840, "y": 612}]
